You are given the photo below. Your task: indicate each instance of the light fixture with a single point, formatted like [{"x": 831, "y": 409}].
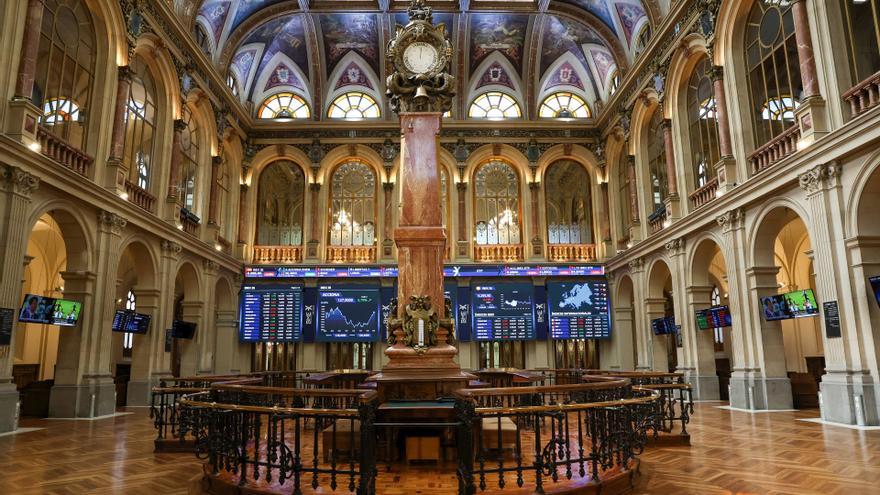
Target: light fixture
[
  {"x": 124, "y": 195},
  {"x": 218, "y": 247},
  {"x": 34, "y": 146}
]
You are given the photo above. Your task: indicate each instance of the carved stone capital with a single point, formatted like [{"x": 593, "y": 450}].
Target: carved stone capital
[
  {"x": 820, "y": 177},
  {"x": 19, "y": 181},
  {"x": 210, "y": 266},
  {"x": 171, "y": 248},
  {"x": 636, "y": 265},
  {"x": 387, "y": 186},
  {"x": 731, "y": 220},
  {"x": 461, "y": 186},
  {"x": 675, "y": 247},
  {"x": 315, "y": 187},
  {"x": 111, "y": 221}
]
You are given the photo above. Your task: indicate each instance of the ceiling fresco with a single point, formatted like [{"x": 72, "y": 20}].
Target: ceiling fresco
[{"x": 272, "y": 45}]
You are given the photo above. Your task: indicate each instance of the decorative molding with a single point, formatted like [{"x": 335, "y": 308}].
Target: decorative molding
[
  {"x": 820, "y": 177},
  {"x": 210, "y": 266},
  {"x": 731, "y": 220},
  {"x": 20, "y": 182},
  {"x": 111, "y": 221},
  {"x": 636, "y": 265},
  {"x": 171, "y": 248},
  {"x": 675, "y": 247}
]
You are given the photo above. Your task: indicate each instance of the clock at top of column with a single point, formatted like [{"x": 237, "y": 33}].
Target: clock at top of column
[{"x": 419, "y": 56}]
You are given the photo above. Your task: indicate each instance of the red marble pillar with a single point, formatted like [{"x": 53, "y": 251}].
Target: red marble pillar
[
  {"x": 633, "y": 189},
  {"x": 242, "y": 201},
  {"x": 388, "y": 188},
  {"x": 605, "y": 218},
  {"x": 420, "y": 237},
  {"x": 176, "y": 159},
  {"x": 315, "y": 189},
  {"x": 117, "y": 139},
  {"x": 30, "y": 44},
  {"x": 671, "y": 181},
  {"x": 804, "y": 42},
  {"x": 724, "y": 145},
  {"x": 534, "y": 188},
  {"x": 461, "y": 187},
  {"x": 213, "y": 200}
]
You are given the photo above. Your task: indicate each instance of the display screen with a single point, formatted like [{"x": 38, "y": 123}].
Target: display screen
[
  {"x": 579, "y": 310},
  {"x": 271, "y": 313},
  {"x": 714, "y": 317},
  {"x": 795, "y": 304},
  {"x": 183, "y": 329},
  {"x": 36, "y": 309},
  {"x": 875, "y": 285},
  {"x": 126, "y": 320},
  {"x": 66, "y": 313},
  {"x": 335, "y": 271},
  {"x": 664, "y": 326},
  {"x": 348, "y": 314},
  {"x": 503, "y": 312}
]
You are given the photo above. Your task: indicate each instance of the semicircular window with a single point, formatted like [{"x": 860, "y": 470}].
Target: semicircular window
[
  {"x": 354, "y": 106},
  {"x": 564, "y": 105},
  {"x": 284, "y": 106},
  {"x": 494, "y": 105}
]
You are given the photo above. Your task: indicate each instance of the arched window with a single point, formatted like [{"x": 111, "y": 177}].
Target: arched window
[
  {"x": 623, "y": 196},
  {"x": 202, "y": 40},
  {"x": 657, "y": 161},
  {"x": 232, "y": 83},
  {"x": 702, "y": 124},
  {"x": 127, "y": 337},
  {"x": 615, "y": 82},
  {"x": 774, "y": 75},
  {"x": 568, "y": 206},
  {"x": 861, "y": 19},
  {"x": 281, "y": 193},
  {"x": 496, "y": 204},
  {"x": 189, "y": 148},
  {"x": 564, "y": 105},
  {"x": 494, "y": 105},
  {"x": 353, "y": 205},
  {"x": 354, "y": 106},
  {"x": 284, "y": 106},
  {"x": 65, "y": 67},
  {"x": 140, "y": 124},
  {"x": 643, "y": 38}
]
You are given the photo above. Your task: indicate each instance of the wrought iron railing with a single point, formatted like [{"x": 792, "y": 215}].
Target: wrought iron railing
[
  {"x": 280, "y": 437},
  {"x": 532, "y": 436}
]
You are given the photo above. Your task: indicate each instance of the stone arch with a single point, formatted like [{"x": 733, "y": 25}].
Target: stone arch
[
  {"x": 659, "y": 290},
  {"x": 625, "y": 323},
  {"x": 188, "y": 305}
]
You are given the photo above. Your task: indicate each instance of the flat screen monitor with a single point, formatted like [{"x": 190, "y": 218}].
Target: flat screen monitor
[
  {"x": 875, "y": 285},
  {"x": 714, "y": 317},
  {"x": 503, "y": 311},
  {"x": 183, "y": 329},
  {"x": 348, "y": 314},
  {"x": 271, "y": 313},
  {"x": 65, "y": 313},
  {"x": 664, "y": 326},
  {"x": 579, "y": 310},
  {"x": 128, "y": 321},
  {"x": 36, "y": 309},
  {"x": 795, "y": 304}
]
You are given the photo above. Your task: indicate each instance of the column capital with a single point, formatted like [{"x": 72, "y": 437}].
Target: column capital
[
  {"x": 534, "y": 185},
  {"x": 315, "y": 187},
  {"x": 820, "y": 177},
  {"x": 217, "y": 160},
  {"x": 171, "y": 248},
  {"x": 461, "y": 186},
  {"x": 387, "y": 186},
  {"x": 715, "y": 72},
  {"x": 179, "y": 125},
  {"x": 124, "y": 74},
  {"x": 731, "y": 220},
  {"x": 675, "y": 247},
  {"x": 111, "y": 222},
  {"x": 636, "y": 265},
  {"x": 211, "y": 266},
  {"x": 19, "y": 181}
]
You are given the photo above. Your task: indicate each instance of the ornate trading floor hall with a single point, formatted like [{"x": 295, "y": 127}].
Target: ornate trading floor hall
[{"x": 254, "y": 247}]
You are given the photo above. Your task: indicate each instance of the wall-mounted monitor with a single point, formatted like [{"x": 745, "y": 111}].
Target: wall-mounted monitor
[
  {"x": 503, "y": 311},
  {"x": 36, "y": 309},
  {"x": 579, "y": 310},
  {"x": 795, "y": 304},
  {"x": 714, "y": 317},
  {"x": 875, "y": 285},
  {"x": 664, "y": 326},
  {"x": 271, "y": 313},
  {"x": 348, "y": 314},
  {"x": 183, "y": 329},
  {"x": 65, "y": 313},
  {"x": 128, "y": 321}
]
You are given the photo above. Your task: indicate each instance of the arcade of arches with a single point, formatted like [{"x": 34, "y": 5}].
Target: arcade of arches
[{"x": 161, "y": 157}]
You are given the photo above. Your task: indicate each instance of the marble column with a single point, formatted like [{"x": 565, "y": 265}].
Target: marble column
[
  {"x": 191, "y": 350},
  {"x": 716, "y": 73},
  {"x": 160, "y": 360},
  {"x": 176, "y": 162},
  {"x": 16, "y": 187},
  {"x": 116, "y": 167},
  {"x": 802, "y": 34},
  {"x": 463, "y": 243},
  {"x": 242, "y": 218},
  {"x": 701, "y": 346},
  {"x": 537, "y": 237},
  {"x": 315, "y": 222},
  {"x": 83, "y": 379},
  {"x": 213, "y": 200},
  {"x": 605, "y": 218},
  {"x": 671, "y": 180},
  {"x": 144, "y": 347},
  {"x": 655, "y": 308},
  {"x": 30, "y": 44},
  {"x": 387, "y": 231}
]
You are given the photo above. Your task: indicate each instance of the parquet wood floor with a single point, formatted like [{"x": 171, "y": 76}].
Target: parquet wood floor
[{"x": 731, "y": 453}]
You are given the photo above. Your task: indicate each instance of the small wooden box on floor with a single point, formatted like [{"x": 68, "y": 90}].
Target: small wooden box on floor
[{"x": 423, "y": 449}]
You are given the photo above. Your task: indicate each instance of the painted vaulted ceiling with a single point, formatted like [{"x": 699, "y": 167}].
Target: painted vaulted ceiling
[{"x": 320, "y": 49}]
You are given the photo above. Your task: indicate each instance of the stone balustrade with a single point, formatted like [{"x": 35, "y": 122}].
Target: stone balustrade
[
  {"x": 498, "y": 252},
  {"x": 277, "y": 254},
  {"x": 351, "y": 254},
  {"x": 705, "y": 194},
  {"x": 63, "y": 152},
  {"x": 864, "y": 95},
  {"x": 139, "y": 196},
  {"x": 571, "y": 252},
  {"x": 776, "y": 149}
]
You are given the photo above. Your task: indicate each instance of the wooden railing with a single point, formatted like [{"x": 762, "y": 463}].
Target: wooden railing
[
  {"x": 657, "y": 220},
  {"x": 139, "y": 196},
  {"x": 571, "y": 252},
  {"x": 189, "y": 222},
  {"x": 498, "y": 252},
  {"x": 776, "y": 149},
  {"x": 63, "y": 152},
  {"x": 277, "y": 254},
  {"x": 705, "y": 194},
  {"x": 864, "y": 95},
  {"x": 351, "y": 254}
]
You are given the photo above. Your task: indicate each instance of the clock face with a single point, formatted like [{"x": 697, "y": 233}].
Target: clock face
[{"x": 419, "y": 57}]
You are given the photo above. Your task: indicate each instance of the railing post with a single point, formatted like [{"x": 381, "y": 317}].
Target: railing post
[
  {"x": 368, "y": 472},
  {"x": 465, "y": 435}
]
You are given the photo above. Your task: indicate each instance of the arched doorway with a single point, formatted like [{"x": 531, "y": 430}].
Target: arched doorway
[
  {"x": 188, "y": 307},
  {"x": 621, "y": 351},
  {"x": 783, "y": 292},
  {"x": 708, "y": 343},
  {"x": 228, "y": 351},
  {"x": 661, "y": 305}
]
